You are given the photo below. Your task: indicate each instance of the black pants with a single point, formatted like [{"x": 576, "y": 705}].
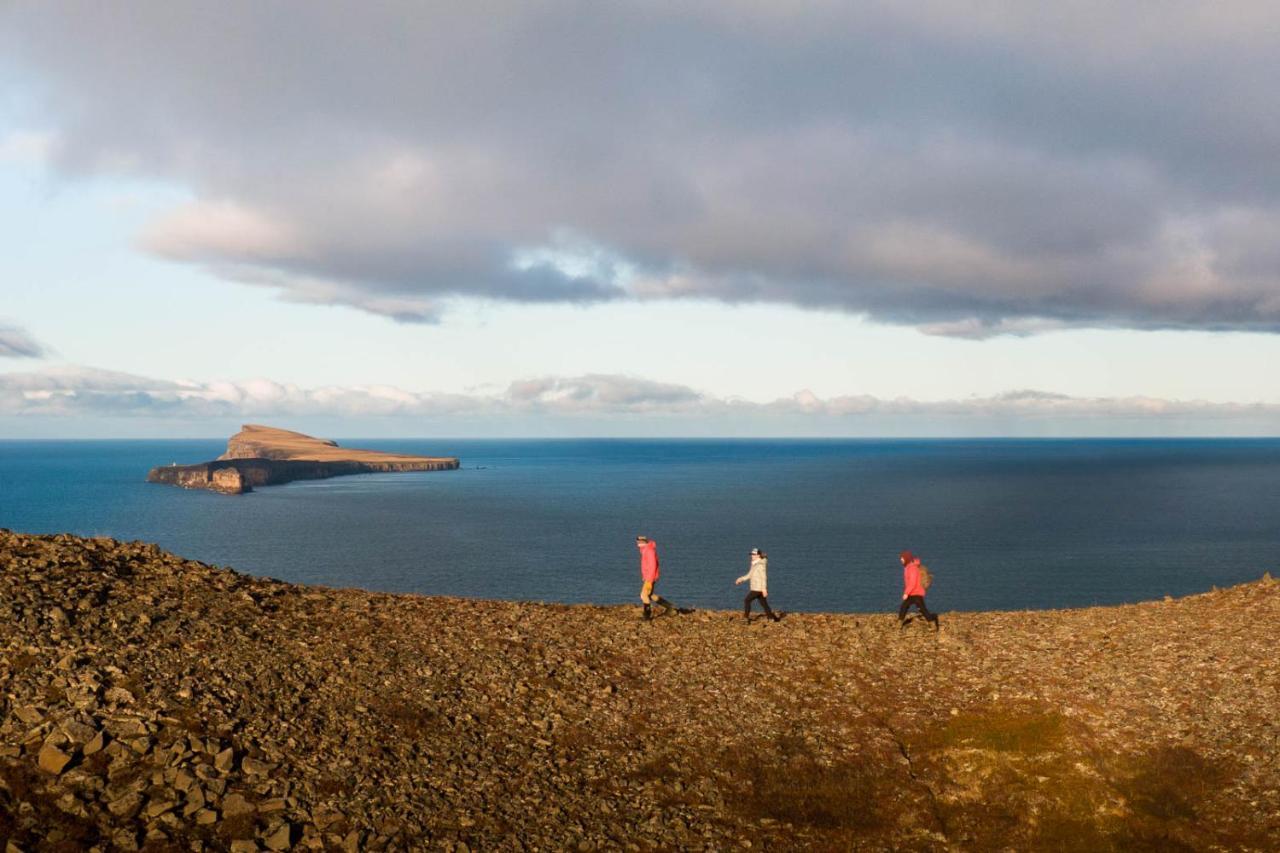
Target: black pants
[
  {"x": 666, "y": 606},
  {"x": 918, "y": 601},
  {"x": 756, "y": 595}
]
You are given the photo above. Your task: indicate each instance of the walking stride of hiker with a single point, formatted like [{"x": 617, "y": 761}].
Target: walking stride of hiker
[
  {"x": 915, "y": 582},
  {"x": 649, "y": 576},
  {"x": 757, "y": 578}
]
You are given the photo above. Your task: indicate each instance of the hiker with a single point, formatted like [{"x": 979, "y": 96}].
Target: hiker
[
  {"x": 915, "y": 581},
  {"x": 649, "y": 576},
  {"x": 758, "y": 581}
]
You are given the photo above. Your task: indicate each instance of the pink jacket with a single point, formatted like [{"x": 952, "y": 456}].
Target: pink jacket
[
  {"x": 911, "y": 579},
  {"x": 649, "y": 561}
]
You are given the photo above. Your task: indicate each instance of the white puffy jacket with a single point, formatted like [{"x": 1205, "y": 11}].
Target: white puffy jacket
[{"x": 758, "y": 575}]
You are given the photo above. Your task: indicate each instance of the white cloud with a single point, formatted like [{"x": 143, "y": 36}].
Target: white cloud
[{"x": 72, "y": 393}]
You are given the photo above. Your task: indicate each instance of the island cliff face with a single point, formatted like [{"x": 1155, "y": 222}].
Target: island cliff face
[{"x": 267, "y": 456}]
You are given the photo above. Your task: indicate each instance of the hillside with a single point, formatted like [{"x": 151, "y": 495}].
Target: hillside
[
  {"x": 255, "y": 441},
  {"x": 150, "y": 701}
]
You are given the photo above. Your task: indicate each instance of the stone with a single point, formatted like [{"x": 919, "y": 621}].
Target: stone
[
  {"x": 95, "y": 743},
  {"x": 236, "y": 804},
  {"x": 28, "y": 714},
  {"x": 182, "y": 781},
  {"x": 271, "y": 805},
  {"x": 125, "y": 840},
  {"x": 280, "y": 838},
  {"x": 52, "y": 759},
  {"x": 225, "y": 760},
  {"x": 125, "y": 806},
  {"x": 157, "y": 807},
  {"x": 254, "y": 767}
]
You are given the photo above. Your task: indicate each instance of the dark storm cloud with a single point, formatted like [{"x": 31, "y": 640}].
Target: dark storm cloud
[{"x": 971, "y": 169}]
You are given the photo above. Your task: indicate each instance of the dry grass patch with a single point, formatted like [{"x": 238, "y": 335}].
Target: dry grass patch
[
  {"x": 784, "y": 780},
  {"x": 1027, "y": 730},
  {"x": 1168, "y": 783},
  {"x": 1030, "y": 775}
]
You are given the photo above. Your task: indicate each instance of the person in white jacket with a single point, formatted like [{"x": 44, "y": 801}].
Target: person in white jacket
[{"x": 757, "y": 577}]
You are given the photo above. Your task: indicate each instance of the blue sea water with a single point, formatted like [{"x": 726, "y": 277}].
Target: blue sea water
[{"x": 1002, "y": 524}]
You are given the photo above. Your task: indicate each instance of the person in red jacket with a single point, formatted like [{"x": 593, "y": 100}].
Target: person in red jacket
[
  {"x": 649, "y": 576},
  {"x": 913, "y": 590}
]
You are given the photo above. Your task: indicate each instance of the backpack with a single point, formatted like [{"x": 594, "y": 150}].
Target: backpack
[{"x": 926, "y": 577}]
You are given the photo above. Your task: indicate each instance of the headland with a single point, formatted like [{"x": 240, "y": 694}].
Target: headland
[
  {"x": 155, "y": 702},
  {"x": 267, "y": 456}
]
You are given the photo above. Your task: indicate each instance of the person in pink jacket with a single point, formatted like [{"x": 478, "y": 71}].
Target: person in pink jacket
[
  {"x": 913, "y": 590},
  {"x": 649, "y": 577}
]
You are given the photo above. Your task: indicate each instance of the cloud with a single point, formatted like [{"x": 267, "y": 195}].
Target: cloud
[
  {"x": 601, "y": 393},
  {"x": 602, "y": 402},
  {"x": 24, "y": 146},
  {"x": 17, "y": 343},
  {"x": 973, "y": 170},
  {"x": 71, "y": 391}
]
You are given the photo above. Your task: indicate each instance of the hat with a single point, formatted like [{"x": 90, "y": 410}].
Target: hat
[
  {"x": 907, "y": 557},
  {"x": 642, "y": 538}
]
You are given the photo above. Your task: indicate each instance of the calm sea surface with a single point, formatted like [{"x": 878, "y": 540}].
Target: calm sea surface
[{"x": 1002, "y": 524}]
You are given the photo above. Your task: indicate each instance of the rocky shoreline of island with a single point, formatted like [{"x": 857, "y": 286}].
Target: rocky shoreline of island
[{"x": 154, "y": 702}]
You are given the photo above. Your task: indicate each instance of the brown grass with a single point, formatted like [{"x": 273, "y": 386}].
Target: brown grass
[
  {"x": 275, "y": 443},
  {"x": 784, "y": 780},
  {"x": 1169, "y": 783},
  {"x": 1025, "y": 730},
  {"x": 1043, "y": 780}
]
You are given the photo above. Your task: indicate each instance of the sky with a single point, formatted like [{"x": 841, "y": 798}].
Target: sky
[{"x": 635, "y": 219}]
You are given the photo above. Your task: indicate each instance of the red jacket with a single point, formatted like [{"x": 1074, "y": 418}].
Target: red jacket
[
  {"x": 911, "y": 579},
  {"x": 649, "y": 561}
]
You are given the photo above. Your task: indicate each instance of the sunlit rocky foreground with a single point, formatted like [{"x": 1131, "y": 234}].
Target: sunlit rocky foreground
[{"x": 154, "y": 702}]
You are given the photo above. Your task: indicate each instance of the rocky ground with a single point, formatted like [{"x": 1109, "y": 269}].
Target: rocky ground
[{"x": 157, "y": 703}]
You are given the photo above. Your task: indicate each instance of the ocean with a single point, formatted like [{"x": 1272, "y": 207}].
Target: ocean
[{"x": 1002, "y": 524}]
